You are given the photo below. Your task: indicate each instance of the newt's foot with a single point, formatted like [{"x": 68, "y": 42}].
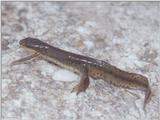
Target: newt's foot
[
  {"x": 22, "y": 60},
  {"x": 78, "y": 89},
  {"x": 81, "y": 87}
]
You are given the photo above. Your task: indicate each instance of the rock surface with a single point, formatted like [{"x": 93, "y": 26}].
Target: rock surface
[{"x": 126, "y": 34}]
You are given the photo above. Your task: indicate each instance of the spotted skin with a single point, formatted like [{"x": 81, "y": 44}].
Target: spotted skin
[{"x": 85, "y": 67}]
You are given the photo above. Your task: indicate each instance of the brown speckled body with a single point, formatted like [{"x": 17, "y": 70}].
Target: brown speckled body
[
  {"x": 87, "y": 66},
  {"x": 118, "y": 77}
]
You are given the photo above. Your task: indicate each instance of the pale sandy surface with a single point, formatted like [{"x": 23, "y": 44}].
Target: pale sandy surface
[{"x": 125, "y": 34}]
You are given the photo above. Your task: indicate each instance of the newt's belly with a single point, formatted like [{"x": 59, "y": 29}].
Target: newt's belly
[{"x": 61, "y": 64}]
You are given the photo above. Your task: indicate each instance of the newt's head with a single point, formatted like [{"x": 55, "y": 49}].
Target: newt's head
[{"x": 34, "y": 44}]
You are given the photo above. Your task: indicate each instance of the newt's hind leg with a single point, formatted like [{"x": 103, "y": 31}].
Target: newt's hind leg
[
  {"x": 25, "y": 59},
  {"x": 84, "y": 82}
]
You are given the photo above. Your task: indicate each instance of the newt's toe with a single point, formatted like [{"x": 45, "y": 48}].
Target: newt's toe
[{"x": 78, "y": 89}]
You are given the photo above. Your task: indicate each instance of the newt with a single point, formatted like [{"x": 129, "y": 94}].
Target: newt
[{"x": 85, "y": 67}]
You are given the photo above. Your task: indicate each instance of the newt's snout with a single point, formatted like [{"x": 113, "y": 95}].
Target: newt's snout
[
  {"x": 24, "y": 42},
  {"x": 29, "y": 42}
]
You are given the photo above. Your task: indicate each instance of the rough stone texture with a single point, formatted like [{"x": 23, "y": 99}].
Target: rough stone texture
[{"x": 126, "y": 34}]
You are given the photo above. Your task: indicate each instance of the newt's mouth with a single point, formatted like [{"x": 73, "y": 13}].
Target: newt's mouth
[{"x": 23, "y": 46}]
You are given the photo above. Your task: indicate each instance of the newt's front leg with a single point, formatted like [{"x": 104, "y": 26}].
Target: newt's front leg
[
  {"x": 84, "y": 82},
  {"x": 25, "y": 59}
]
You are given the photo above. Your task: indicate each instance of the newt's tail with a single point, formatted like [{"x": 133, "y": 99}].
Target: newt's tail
[{"x": 148, "y": 94}]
